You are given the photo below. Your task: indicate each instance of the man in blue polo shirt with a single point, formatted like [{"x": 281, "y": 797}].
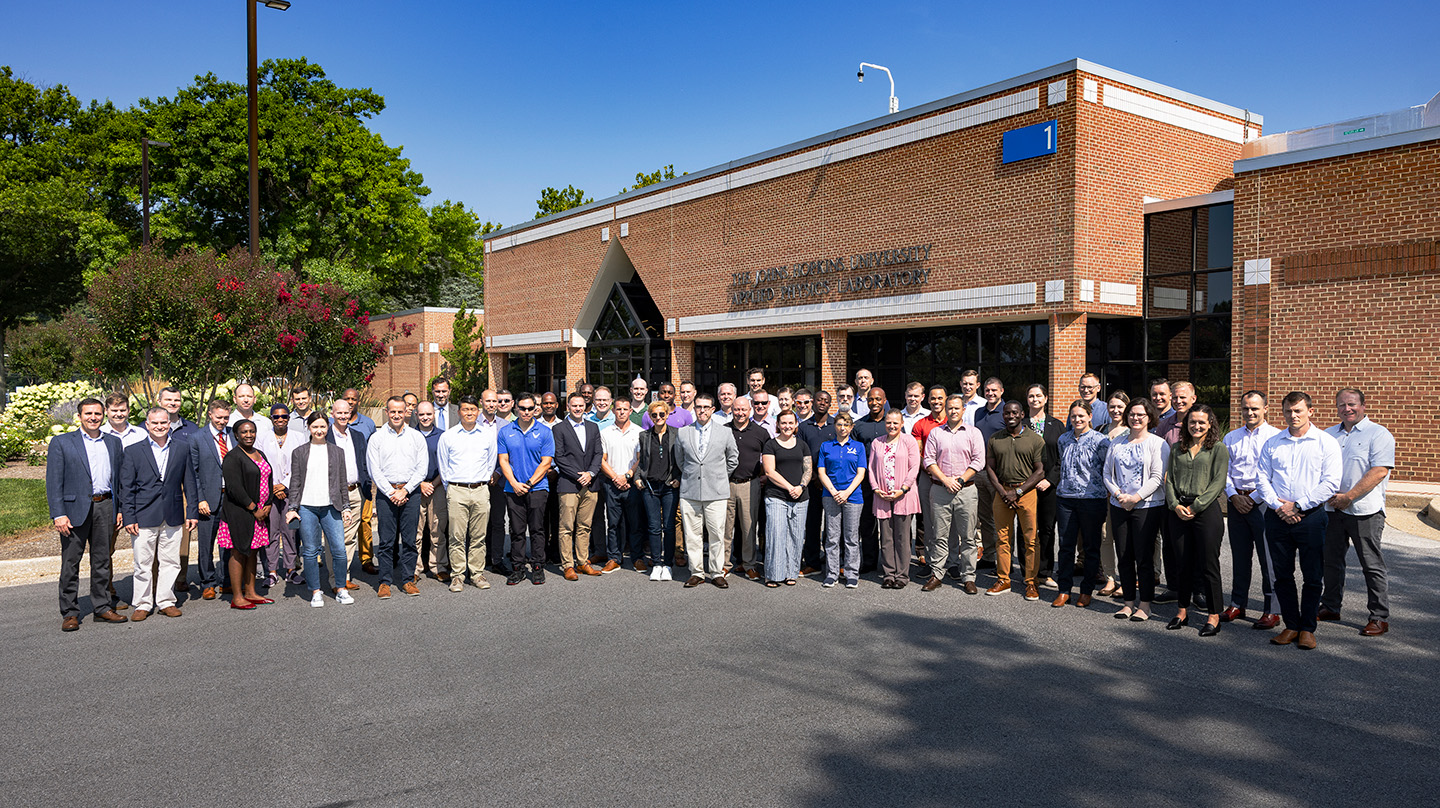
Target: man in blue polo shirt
[{"x": 527, "y": 449}]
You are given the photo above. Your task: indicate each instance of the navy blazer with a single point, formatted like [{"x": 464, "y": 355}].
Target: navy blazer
[
  {"x": 205, "y": 461},
  {"x": 148, "y": 501},
  {"x": 67, "y": 476},
  {"x": 571, "y": 461},
  {"x": 357, "y": 438}
]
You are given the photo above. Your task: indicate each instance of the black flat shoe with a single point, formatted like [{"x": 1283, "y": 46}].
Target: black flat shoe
[
  {"x": 1177, "y": 623},
  {"x": 1208, "y": 630}
]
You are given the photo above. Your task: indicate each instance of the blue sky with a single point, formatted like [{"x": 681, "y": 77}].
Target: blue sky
[{"x": 493, "y": 102}]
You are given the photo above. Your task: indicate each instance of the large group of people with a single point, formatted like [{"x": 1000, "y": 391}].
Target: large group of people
[{"x": 1125, "y": 497}]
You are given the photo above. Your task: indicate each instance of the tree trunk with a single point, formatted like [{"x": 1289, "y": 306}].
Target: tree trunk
[{"x": 4, "y": 382}]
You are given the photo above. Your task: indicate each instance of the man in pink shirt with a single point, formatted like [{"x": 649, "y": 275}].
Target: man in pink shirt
[{"x": 954, "y": 454}]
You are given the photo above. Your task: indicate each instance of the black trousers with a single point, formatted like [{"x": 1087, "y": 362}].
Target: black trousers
[
  {"x": 1045, "y": 505},
  {"x": 496, "y": 529},
  {"x": 1199, "y": 556},
  {"x": 94, "y": 535},
  {"x": 811, "y": 554},
  {"x": 1135, "y": 533},
  {"x": 527, "y": 528},
  {"x": 869, "y": 531}
]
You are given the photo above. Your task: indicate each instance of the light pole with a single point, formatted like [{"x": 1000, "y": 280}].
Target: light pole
[
  {"x": 252, "y": 95},
  {"x": 145, "y": 144},
  {"x": 894, "y": 102}
]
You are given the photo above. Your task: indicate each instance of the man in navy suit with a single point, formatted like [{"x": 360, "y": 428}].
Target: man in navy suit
[
  {"x": 169, "y": 399},
  {"x": 157, "y": 497},
  {"x": 208, "y": 447},
  {"x": 82, "y": 474},
  {"x": 578, "y": 454}
]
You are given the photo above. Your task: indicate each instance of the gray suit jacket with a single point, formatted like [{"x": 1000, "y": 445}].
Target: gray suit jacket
[
  {"x": 706, "y": 478},
  {"x": 339, "y": 490}
]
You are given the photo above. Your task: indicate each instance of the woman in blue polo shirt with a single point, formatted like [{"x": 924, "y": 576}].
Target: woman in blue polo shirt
[{"x": 842, "y": 469}]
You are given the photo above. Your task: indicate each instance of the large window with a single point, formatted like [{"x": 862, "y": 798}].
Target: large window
[
  {"x": 792, "y": 362},
  {"x": 1185, "y": 332},
  {"x": 536, "y": 373},
  {"x": 1017, "y": 353},
  {"x": 629, "y": 339}
]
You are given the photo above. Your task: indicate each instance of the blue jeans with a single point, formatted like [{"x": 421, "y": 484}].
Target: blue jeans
[
  {"x": 842, "y": 524},
  {"x": 660, "y": 512},
  {"x": 395, "y": 546},
  {"x": 624, "y": 527},
  {"x": 1306, "y": 538},
  {"x": 784, "y": 537},
  {"x": 1077, "y": 518},
  {"x": 315, "y": 520}
]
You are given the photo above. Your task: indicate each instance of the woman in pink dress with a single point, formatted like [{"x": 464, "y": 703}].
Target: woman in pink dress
[
  {"x": 894, "y": 466},
  {"x": 244, "y": 516}
]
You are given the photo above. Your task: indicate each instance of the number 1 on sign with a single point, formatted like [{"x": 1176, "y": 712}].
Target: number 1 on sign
[{"x": 1049, "y": 135}]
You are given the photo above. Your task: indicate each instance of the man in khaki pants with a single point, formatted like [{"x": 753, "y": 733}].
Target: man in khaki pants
[
  {"x": 578, "y": 455},
  {"x": 467, "y": 454},
  {"x": 357, "y": 479},
  {"x": 432, "y": 548}
]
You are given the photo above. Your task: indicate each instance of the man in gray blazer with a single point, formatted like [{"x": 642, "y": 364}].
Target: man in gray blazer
[
  {"x": 707, "y": 456},
  {"x": 82, "y": 476},
  {"x": 447, "y": 413}
]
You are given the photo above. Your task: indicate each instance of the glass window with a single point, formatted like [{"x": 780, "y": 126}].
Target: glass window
[
  {"x": 1215, "y": 235},
  {"x": 1169, "y": 242}
]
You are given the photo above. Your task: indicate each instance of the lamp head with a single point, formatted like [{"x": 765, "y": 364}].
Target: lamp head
[
  {"x": 861, "y": 74},
  {"x": 278, "y": 5}
]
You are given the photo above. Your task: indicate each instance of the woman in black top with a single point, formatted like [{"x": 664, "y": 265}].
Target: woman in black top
[
  {"x": 788, "y": 465},
  {"x": 658, "y": 470},
  {"x": 245, "y": 513}
]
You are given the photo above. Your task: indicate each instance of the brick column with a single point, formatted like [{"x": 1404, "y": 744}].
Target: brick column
[
  {"x": 499, "y": 368},
  {"x": 682, "y": 362},
  {"x": 1067, "y": 359},
  {"x": 575, "y": 369},
  {"x": 834, "y": 355}
]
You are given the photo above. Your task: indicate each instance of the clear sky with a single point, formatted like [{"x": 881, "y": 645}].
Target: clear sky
[{"x": 493, "y": 102}]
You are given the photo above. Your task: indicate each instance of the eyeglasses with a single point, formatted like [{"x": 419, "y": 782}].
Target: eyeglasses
[
  {"x": 526, "y": 409},
  {"x": 280, "y": 416},
  {"x": 704, "y": 406}
]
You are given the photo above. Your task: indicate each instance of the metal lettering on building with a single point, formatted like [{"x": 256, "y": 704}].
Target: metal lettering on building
[{"x": 898, "y": 269}]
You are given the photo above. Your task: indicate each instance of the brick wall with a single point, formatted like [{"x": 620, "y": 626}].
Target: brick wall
[
  {"x": 1354, "y": 292},
  {"x": 415, "y": 359}
]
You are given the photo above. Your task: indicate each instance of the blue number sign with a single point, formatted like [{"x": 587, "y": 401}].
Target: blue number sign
[{"x": 1027, "y": 142}]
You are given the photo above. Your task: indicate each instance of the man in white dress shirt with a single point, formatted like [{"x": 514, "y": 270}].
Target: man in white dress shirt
[{"x": 1245, "y": 518}]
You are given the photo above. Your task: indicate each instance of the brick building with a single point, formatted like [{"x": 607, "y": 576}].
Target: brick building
[
  {"x": 1072, "y": 218},
  {"x": 412, "y": 360}
]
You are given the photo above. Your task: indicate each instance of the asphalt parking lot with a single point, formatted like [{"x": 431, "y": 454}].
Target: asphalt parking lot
[{"x": 619, "y": 691}]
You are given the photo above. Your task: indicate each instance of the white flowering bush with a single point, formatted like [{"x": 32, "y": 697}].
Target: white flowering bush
[{"x": 39, "y": 412}]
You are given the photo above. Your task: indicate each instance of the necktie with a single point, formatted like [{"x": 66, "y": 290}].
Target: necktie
[
  {"x": 220, "y": 441},
  {"x": 440, "y": 417},
  {"x": 704, "y": 440}
]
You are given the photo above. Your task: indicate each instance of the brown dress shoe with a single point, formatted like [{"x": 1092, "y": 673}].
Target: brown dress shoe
[
  {"x": 999, "y": 589},
  {"x": 753, "y": 575},
  {"x": 383, "y": 592},
  {"x": 139, "y": 615},
  {"x": 171, "y": 611},
  {"x": 641, "y": 565},
  {"x": 1232, "y": 614},
  {"x": 808, "y": 571},
  {"x": 70, "y": 624},
  {"x": 208, "y": 593},
  {"x": 695, "y": 580},
  {"x": 720, "y": 582},
  {"x": 1375, "y": 628},
  {"x": 1284, "y": 638},
  {"x": 1305, "y": 640},
  {"x": 595, "y": 559},
  {"x": 351, "y": 585},
  {"x": 109, "y": 616},
  {"x": 569, "y": 574},
  {"x": 1327, "y": 615},
  {"x": 1083, "y": 602},
  {"x": 586, "y": 569},
  {"x": 410, "y": 588},
  {"x": 971, "y": 588},
  {"x": 369, "y": 568},
  {"x": 610, "y": 566},
  {"x": 442, "y": 577},
  {"x": 1059, "y": 601},
  {"x": 1031, "y": 593},
  {"x": 1267, "y": 622},
  {"x": 932, "y": 584}
]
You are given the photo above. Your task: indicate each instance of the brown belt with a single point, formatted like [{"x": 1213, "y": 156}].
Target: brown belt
[
  {"x": 471, "y": 485},
  {"x": 100, "y": 497},
  {"x": 352, "y": 486},
  {"x": 1246, "y": 491}
]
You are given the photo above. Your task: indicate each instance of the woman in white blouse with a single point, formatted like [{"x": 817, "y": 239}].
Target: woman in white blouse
[
  {"x": 1134, "y": 475},
  {"x": 320, "y": 498}
]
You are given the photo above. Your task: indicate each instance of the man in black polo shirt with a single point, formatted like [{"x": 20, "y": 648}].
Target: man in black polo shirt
[
  {"x": 867, "y": 428},
  {"x": 989, "y": 419},
  {"x": 743, "y": 509},
  {"x": 815, "y": 430}
]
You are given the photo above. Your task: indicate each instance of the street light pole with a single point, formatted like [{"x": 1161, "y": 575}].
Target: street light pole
[
  {"x": 894, "y": 102},
  {"x": 252, "y": 95},
  {"x": 145, "y": 144}
]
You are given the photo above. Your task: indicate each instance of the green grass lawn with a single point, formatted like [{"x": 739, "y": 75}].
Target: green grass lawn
[{"x": 22, "y": 506}]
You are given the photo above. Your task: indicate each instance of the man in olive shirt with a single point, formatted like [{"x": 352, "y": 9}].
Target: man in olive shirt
[{"x": 1014, "y": 466}]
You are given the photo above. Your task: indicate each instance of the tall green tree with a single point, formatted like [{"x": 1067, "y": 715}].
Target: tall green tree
[
  {"x": 552, "y": 201},
  {"x": 45, "y": 203},
  {"x": 466, "y": 360}
]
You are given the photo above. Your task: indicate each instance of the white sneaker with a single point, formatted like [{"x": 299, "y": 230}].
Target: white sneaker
[
  {"x": 657, "y": 573},
  {"x": 343, "y": 597},
  {"x": 317, "y": 600},
  {"x": 666, "y": 575}
]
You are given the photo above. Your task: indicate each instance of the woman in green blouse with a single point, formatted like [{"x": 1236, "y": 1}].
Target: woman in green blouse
[{"x": 1193, "y": 485}]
